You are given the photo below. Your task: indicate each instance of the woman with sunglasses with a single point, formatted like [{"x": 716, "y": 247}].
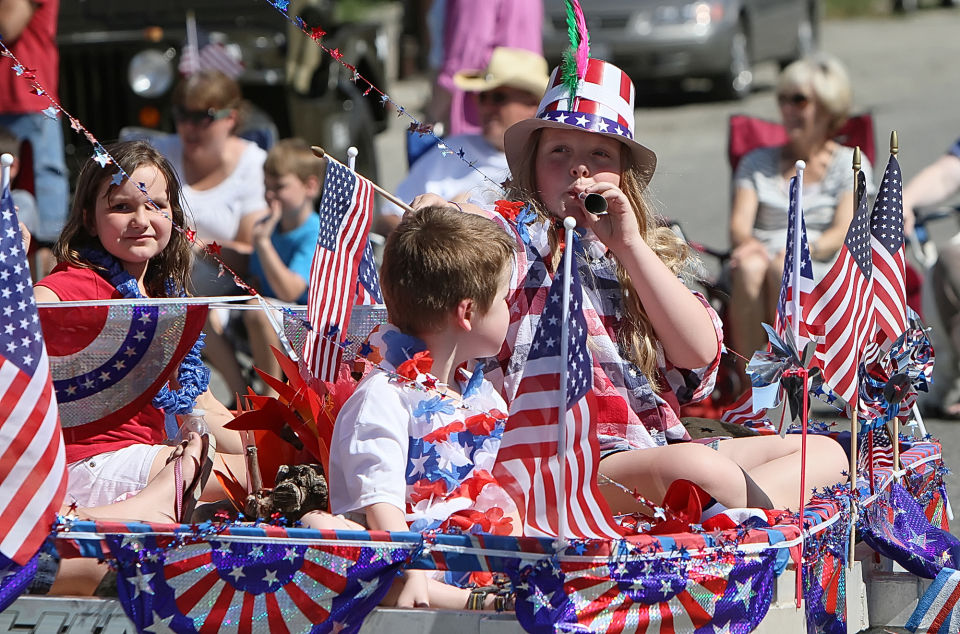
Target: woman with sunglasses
[
  {"x": 222, "y": 174},
  {"x": 814, "y": 97},
  {"x": 223, "y": 191}
]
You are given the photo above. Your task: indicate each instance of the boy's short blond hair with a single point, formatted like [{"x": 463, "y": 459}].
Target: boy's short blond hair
[
  {"x": 293, "y": 156},
  {"x": 436, "y": 258}
]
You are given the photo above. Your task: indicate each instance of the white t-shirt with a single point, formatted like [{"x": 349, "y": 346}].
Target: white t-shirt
[
  {"x": 215, "y": 213},
  {"x": 448, "y": 176},
  {"x": 411, "y": 448}
]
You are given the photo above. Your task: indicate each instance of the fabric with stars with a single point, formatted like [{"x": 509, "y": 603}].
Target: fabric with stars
[
  {"x": 889, "y": 260},
  {"x": 226, "y": 585},
  {"x": 109, "y": 362},
  {"x": 337, "y": 273},
  {"x": 895, "y": 526},
  {"x": 32, "y": 464},
  {"x": 403, "y": 443},
  {"x": 645, "y": 595},
  {"x": 840, "y": 315},
  {"x": 630, "y": 415}
]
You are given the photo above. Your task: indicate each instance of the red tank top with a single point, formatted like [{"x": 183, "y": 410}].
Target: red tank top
[{"x": 71, "y": 283}]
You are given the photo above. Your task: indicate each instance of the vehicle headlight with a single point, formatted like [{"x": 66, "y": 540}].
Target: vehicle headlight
[
  {"x": 697, "y": 13},
  {"x": 151, "y": 73}
]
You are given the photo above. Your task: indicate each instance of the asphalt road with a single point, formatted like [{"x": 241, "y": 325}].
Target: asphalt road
[{"x": 903, "y": 71}]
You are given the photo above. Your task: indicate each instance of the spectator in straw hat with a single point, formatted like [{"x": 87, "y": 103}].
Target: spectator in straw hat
[{"x": 506, "y": 91}]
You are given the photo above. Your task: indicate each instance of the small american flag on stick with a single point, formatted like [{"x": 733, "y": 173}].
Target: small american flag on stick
[
  {"x": 889, "y": 264},
  {"x": 33, "y": 477},
  {"x": 527, "y": 464},
  {"x": 840, "y": 314},
  {"x": 345, "y": 216}
]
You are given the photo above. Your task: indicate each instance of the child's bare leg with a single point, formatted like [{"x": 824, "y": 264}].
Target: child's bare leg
[
  {"x": 78, "y": 577},
  {"x": 774, "y": 463},
  {"x": 225, "y": 463},
  {"x": 157, "y": 501},
  {"x": 322, "y": 520},
  {"x": 651, "y": 471},
  {"x": 443, "y": 596}
]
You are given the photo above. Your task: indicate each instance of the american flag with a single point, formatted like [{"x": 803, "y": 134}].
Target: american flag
[
  {"x": 792, "y": 283},
  {"x": 33, "y": 477},
  {"x": 527, "y": 464},
  {"x": 840, "y": 315},
  {"x": 889, "y": 265},
  {"x": 368, "y": 281},
  {"x": 345, "y": 216},
  {"x": 206, "y": 54},
  {"x": 882, "y": 453},
  {"x": 741, "y": 412}
]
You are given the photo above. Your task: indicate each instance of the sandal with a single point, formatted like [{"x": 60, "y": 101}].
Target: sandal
[
  {"x": 184, "y": 508},
  {"x": 503, "y": 598}
]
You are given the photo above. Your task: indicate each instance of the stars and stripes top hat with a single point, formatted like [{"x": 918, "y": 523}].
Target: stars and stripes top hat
[{"x": 602, "y": 103}]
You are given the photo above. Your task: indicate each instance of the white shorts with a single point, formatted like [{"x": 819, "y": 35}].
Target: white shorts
[{"x": 101, "y": 479}]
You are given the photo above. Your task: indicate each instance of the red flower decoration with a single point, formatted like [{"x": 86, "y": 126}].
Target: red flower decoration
[
  {"x": 424, "y": 490},
  {"x": 443, "y": 434},
  {"x": 213, "y": 247},
  {"x": 419, "y": 364},
  {"x": 336, "y": 54},
  {"x": 191, "y": 235},
  {"x": 481, "y": 424},
  {"x": 472, "y": 486},
  {"x": 316, "y": 33},
  {"x": 509, "y": 209}
]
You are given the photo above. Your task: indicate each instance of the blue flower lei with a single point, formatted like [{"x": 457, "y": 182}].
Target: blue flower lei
[{"x": 193, "y": 375}]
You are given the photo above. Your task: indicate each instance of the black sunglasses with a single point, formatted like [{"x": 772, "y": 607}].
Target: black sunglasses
[
  {"x": 796, "y": 99},
  {"x": 200, "y": 117}
]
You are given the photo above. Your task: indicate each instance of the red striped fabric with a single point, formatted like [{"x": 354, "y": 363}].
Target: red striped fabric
[
  {"x": 889, "y": 264},
  {"x": 33, "y": 477},
  {"x": 840, "y": 314},
  {"x": 345, "y": 216},
  {"x": 527, "y": 464}
]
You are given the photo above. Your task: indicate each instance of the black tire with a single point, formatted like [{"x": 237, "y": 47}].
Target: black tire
[
  {"x": 950, "y": 3},
  {"x": 737, "y": 81}
]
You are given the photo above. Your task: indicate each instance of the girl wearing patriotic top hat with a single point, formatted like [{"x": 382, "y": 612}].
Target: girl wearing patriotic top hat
[{"x": 656, "y": 345}]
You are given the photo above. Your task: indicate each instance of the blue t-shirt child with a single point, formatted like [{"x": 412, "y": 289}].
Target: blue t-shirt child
[{"x": 295, "y": 249}]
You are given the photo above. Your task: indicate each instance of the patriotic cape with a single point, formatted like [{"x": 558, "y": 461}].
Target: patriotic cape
[{"x": 109, "y": 360}]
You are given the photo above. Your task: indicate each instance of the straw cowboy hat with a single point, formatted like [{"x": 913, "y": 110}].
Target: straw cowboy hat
[
  {"x": 514, "y": 67},
  {"x": 602, "y": 103}
]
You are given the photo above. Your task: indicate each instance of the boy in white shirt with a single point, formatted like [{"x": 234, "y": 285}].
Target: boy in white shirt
[{"x": 414, "y": 447}]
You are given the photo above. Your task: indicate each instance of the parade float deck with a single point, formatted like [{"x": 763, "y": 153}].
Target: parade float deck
[{"x": 242, "y": 576}]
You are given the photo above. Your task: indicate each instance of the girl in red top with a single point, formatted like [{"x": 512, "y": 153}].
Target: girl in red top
[{"x": 118, "y": 243}]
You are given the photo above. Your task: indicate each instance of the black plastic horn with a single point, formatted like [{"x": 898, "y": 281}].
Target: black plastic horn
[{"x": 594, "y": 203}]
